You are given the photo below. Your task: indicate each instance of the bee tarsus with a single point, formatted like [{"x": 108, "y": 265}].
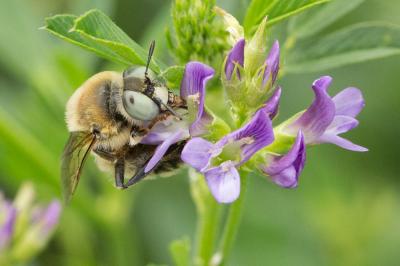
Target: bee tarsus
[{"x": 120, "y": 173}]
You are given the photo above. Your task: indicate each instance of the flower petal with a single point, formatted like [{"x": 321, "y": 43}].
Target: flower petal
[
  {"x": 349, "y": 102},
  {"x": 224, "y": 182},
  {"x": 235, "y": 56},
  {"x": 193, "y": 88},
  {"x": 7, "y": 228},
  {"x": 197, "y": 153},
  {"x": 285, "y": 170},
  {"x": 50, "y": 216},
  {"x": 272, "y": 105},
  {"x": 255, "y": 135},
  {"x": 162, "y": 149},
  {"x": 341, "y": 124},
  {"x": 271, "y": 71},
  {"x": 200, "y": 126},
  {"x": 316, "y": 119},
  {"x": 162, "y": 130},
  {"x": 341, "y": 142}
]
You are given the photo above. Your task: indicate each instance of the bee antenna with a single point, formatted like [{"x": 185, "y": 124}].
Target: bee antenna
[{"x": 151, "y": 50}]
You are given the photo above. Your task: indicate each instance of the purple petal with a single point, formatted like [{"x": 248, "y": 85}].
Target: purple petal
[
  {"x": 349, "y": 102},
  {"x": 341, "y": 142},
  {"x": 285, "y": 170},
  {"x": 235, "y": 56},
  {"x": 162, "y": 149},
  {"x": 253, "y": 136},
  {"x": 271, "y": 106},
  {"x": 272, "y": 63},
  {"x": 197, "y": 153},
  {"x": 7, "y": 228},
  {"x": 200, "y": 126},
  {"x": 163, "y": 130},
  {"x": 51, "y": 215},
  {"x": 341, "y": 124},
  {"x": 194, "y": 85},
  {"x": 316, "y": 119},
  {"x": 224, "y": 182}
]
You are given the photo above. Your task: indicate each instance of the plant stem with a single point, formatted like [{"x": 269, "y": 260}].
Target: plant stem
[
  {"x": 207, "y": 220},
  {"x": 231, "y": 225}
]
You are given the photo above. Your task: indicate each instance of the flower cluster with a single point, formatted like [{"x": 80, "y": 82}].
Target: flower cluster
[
  {"x": 25, "y": 228},
  {"x": 249, "y": 78}
]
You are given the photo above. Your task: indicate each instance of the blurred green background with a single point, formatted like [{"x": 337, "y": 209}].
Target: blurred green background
[{"x": 346, "y": 210}]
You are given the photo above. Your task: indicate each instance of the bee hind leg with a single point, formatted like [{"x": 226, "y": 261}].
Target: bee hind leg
[{"x": 120, "y": 173}]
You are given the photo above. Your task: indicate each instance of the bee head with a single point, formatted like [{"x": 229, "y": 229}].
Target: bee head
[{"x": 144, "y": 99}]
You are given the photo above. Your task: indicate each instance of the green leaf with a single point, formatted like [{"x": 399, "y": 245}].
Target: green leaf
[
  {"x": 276, "y": 10},
  {"x": 317, "y": 19},
  {"x": 173, "y": 75},
  {"x": 357, "y": 43},
  {"x": 96, "y": 32},
  {"x": 180, "y": 251}
]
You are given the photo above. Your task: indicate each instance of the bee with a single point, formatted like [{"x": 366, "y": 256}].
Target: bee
[{"x": 108, "y": 116}]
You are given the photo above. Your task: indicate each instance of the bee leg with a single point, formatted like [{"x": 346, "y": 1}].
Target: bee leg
[
  {"x": 137, "y": 134},
  {"x": 137, "y": 177},
  {"x": 120, "y": 173},
  {"x": 140, "y": 174}
]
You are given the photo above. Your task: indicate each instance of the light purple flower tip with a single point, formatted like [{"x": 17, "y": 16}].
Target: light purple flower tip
[
  {"x": 7, "y": 228},
  {"x": 197, "y": 153},
  {"x": 194, "y": 85},
  {"x": 349, "y": 102},
  {"x": 162, "y": 149},
  {"x": 235, "y": 56},
  {"x": 224, "y": 182},
  {"x": 285, "y": 170},
  {"x": 51, "y": 216},
  {"x": 272, "y": 62},
  {"x": 271, "y": 106},
  {"x": 222, "y": 177},
  {"x": 327, "y": 117}
]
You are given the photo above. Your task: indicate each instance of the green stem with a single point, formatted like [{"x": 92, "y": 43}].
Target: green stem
[
  {"x": 207, "y": 220},
  {"x": 231, "y": 225}
]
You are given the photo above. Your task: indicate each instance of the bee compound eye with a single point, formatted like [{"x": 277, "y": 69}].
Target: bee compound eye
[{"x": 139, "y": 106}]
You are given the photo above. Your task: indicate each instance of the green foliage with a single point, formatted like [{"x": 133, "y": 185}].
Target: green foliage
[
  {"x": 317, "y": 19},
  {"x": 276, "y": 10},
  {"x": 350, "y": 45},
  {"x": 96, "y": 32},
  {"x": 173, "y": 75},
  {"x": 180, "y": 251}
]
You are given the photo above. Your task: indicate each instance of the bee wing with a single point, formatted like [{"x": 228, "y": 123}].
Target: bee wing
[{"x": 74, "y": 156}]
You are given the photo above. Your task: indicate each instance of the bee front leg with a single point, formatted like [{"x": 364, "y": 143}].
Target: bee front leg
[
  {"x": 120, "y": 173},
  {"x": 136, "y": 135}
]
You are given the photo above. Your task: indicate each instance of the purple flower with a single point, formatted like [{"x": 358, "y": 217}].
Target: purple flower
[
  {"x": 48, "y": 218},
  {"x": 284, "y": 170},
  {"x": 9, "y": 214},
  {"x": 219, "y": 161},
  {"x": 170, "y": 131},
  {"x": 328, "y": 117}
]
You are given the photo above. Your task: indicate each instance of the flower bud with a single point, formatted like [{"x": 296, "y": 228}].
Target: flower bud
[
  {"x": 232, "y": 26},
  {"x": 254, "y": 53}
]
